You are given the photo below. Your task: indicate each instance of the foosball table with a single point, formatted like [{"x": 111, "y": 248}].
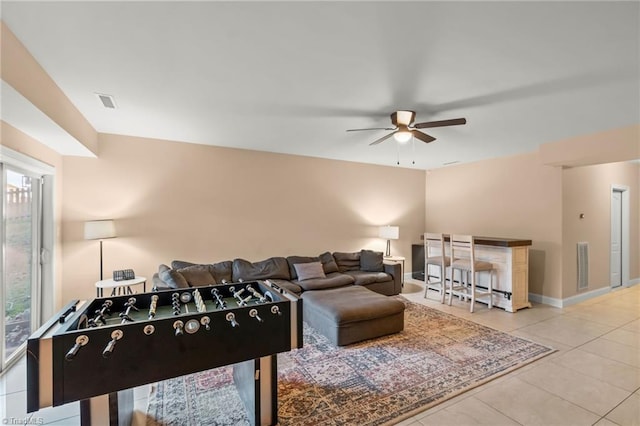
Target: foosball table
[{"x": 96, "y": 351}]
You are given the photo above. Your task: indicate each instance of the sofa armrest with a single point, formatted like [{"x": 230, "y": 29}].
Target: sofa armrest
[{"x": 395, "y": 270}]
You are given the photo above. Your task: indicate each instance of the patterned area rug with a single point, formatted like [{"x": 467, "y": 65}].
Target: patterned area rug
[{"x": 375, "y": 382}]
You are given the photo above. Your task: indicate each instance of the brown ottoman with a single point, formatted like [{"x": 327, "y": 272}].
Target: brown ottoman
[{"x": 350, "y": 314}]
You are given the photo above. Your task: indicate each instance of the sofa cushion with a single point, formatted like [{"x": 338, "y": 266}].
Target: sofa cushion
[
  {"x": 221, "y": 271},
  {"x": 365, "y": 278},
  {"x": 292, "y": 260},
  {"x": 328, "y": 263},
  {"x": 179, "y": 264},
  {"x": 351, "y": 304},
  {"x": 309, "y": 270},
  {"x": 274, "y": 267},
  {"x": 171, "y": 277},
  {"x": 197, "y": 275},
  {"x": 347, "y": 261},
  {"x": 371, "y": 261},
  {"x": 332, "y": 280},
  {"x": 352, "y": 314}
]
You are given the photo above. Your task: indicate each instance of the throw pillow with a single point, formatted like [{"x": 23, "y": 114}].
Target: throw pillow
[
  {"x": 328, "y": 263},
  {"x": 292, "y": 260},
  {"x": 371, "y": 261},
  {"x": 307, "y": 271},
  {"x": 347, "y": 261}
]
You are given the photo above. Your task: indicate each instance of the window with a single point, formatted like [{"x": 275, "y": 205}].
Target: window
[{"x": 23, "y": 231}]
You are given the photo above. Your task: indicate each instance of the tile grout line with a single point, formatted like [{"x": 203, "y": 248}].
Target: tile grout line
[{"x": 618, "y": 405}]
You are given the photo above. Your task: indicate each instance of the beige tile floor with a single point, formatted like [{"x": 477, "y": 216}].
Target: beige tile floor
[{"x": 592, "y": 379}]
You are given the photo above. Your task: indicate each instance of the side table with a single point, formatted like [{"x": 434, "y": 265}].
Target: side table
[
  {"x": 120, "y": 287},
  {"x": 397, "y": 259}
]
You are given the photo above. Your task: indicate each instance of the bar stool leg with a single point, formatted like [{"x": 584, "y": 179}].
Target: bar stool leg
[
  {"x": 443, "y": 283},
  {"x": 453, "y": 276},
  {"x": 473, "y": 291},
  {"x": 491, "y": 289}
]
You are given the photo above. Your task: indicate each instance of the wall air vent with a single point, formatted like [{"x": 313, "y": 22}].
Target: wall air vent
[
  {"x": 107, "y": 101},
  {"x": 583, "y": 266}
]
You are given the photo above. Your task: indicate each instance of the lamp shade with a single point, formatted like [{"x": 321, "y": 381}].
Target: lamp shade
[
  {"x": 389, "y": 232},
  {"x": 99, "y": 229}
]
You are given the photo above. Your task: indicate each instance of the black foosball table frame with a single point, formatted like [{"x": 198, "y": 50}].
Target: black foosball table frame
[{"x": 96, "y": 351}]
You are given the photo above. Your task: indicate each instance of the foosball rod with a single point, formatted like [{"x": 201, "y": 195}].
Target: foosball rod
[
  {"x": 218, "y": 299},
  {"x": 152, "y": 308}
]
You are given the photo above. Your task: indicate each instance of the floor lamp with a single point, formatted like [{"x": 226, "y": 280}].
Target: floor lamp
[
  {"x": 99, "y": 230},
  {"x": 389, "y": 233}
]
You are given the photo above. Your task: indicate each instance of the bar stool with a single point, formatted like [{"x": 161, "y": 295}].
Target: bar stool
[
  {"x": 468, "y": 267},
  {"x": 434, "y": 255}
]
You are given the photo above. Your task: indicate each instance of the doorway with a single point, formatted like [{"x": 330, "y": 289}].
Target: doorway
[{"x": 619, "y": 247}]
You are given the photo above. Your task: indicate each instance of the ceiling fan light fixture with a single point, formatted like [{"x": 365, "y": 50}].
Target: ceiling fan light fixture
[{"x": 402, "y": 136}]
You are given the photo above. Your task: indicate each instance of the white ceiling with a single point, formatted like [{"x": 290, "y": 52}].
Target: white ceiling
[{"x": 291, "y": 77}]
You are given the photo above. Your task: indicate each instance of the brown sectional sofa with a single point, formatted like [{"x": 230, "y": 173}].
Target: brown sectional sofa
[
  {"x": 342, "y": 292},
  {"x": 364, "y": 268}
]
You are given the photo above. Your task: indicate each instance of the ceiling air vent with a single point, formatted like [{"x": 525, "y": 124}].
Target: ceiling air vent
[{"x": 107, "y": 100}]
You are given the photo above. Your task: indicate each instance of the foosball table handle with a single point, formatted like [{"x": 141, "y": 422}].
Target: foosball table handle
[
  {"x": 179, "y": 327},
  {"x": 205, "y": 320},
  {"x": 232, "y": 319},
  {"x": 115, "y": 336},
  {"x": 253, "y": 313},
  {"x": 80, "y": 342}
]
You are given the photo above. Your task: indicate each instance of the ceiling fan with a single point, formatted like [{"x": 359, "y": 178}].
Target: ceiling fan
[{"x": 405, "y": 127}]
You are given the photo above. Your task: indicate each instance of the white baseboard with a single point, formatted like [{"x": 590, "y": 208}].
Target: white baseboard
[
  {"x": 632, "y": 282},
  {"x": 545, "y": 300},
  {"x": 585, "y": 296},
  {"x": 563, "y": 303},
  {"x": 408, "y": 276}
]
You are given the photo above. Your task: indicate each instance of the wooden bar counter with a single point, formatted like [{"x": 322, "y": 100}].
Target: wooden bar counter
[{"x": 510, "y": 258}]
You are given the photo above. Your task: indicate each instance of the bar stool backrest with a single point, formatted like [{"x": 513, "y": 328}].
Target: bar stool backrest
[
  {"x": 463, "y": 244},
  {"x": 433, "y": 243}
]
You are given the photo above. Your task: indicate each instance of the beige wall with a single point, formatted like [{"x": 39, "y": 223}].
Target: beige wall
[
  {"x": 204, "y": 204},
  {"x": 16, "y": 140},
  {"x": 24, "y": 73},
  {"x": 615, "y": 145},
  {"x": 512, "y": 197},
  {"x": 588, "y": 190}
]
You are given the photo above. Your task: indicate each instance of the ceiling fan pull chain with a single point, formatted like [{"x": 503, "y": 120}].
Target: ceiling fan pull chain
[
  {"x": 413, "y": 150},
  {"x": 397, "y": 153}
]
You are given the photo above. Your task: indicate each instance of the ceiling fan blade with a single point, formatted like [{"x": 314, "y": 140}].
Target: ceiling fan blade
[
  {"x": 422, "y": 136},
  {"x": 441, "y": 123},
  {"x": 382, "y": 139},
  {"x": 372, "y": 128}
]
